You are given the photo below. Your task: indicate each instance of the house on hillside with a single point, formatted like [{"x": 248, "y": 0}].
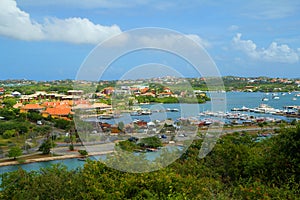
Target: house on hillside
[
  {"x": 31, "y": 108},
  {"x": 2, "y": 90},
  {"x": 108, "y": 90},
  {"x": 16, "y": 94},
  {"x": 75, "y": 92},
  {"x": 60, "y": 112},
  {"x": 165, "y": 94}
]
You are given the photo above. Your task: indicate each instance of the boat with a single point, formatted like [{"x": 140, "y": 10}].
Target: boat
[
  {"x": 276, "y": 97},
  {"x": 294, "y": 99},
  {"x": 297, "y": 95},
  {"x": 81, "y": 159},
  {"x": 235, "y": 109},
  {"x": 243, "y": 108},
  {"x": 146, "y": 112},
  {"x": 265, "y": 99},
  {"x": 105, "y": 116},
  {"x": 109, "y": 116},
  {"x": 172, "y": 110},
  {"x": 135, "y": 113}
]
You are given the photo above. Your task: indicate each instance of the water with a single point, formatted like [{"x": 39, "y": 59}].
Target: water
[
  {"x": 233, "y": 99},
  {"x": 74, "y": 163}
]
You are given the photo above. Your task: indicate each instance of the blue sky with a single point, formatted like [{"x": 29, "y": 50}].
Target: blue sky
[{"x": 49, "y": 39}]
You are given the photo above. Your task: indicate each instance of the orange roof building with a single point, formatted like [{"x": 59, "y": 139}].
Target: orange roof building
[
  {"x": 58, "y": 112},
  {"x": 31, "y": 107}
]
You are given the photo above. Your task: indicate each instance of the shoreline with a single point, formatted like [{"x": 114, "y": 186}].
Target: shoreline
[{"x": 45, "y": 159}]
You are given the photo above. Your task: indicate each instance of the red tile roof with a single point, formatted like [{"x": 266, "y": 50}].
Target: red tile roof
[
  {"x": 144, "y": 90},
  {"x": 59, "y": 111},
  {"x": 32, "y": 107}
]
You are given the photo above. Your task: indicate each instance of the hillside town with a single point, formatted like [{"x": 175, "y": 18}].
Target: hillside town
[{"x": 47, "y": 109}]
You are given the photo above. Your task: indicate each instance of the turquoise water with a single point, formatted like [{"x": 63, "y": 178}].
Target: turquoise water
[
  {"x": 74, "y": 163},
  {"x": 233, "y": 99}
]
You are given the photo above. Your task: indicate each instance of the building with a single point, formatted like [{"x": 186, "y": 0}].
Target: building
[
  {"x": 58, "y": 112},
  {"x": 31, "y": 107},
  {"x": 75, "y": 92}
]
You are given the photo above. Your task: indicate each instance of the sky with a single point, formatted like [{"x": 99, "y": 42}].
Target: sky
[{"x": 51, "y": 39}]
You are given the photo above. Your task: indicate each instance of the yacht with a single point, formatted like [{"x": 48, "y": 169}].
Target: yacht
[
  {"x": 265, "y": 99},
  {"x": 135, "y": 113}
]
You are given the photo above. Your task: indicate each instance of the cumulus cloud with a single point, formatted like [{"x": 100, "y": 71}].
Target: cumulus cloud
[
  {"x": 77, "y": 30},
  {"x": 17, "y": 24},
  {"x": 274, "y": 53}
]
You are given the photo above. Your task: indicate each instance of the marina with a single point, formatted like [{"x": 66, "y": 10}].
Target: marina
[{"x": 242, "y": 108}]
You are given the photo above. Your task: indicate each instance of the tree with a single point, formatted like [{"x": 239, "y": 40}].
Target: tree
[
  {"x": 46, "y": 146},
  {"x": 151, "y": 142},
  {"x": 15, "y": 152},
  {"x": 9, "y": 102},
  {"x": 9, "y": 133},
  {"x": 71, "y": 147},
  {"x": 83, "y": 152}
]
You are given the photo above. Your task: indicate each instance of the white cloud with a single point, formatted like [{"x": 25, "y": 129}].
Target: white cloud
[
  {"x": 17, "y": 24},
  {"x": 77, "y": 30},
  {"x": 274, "y": 53}
]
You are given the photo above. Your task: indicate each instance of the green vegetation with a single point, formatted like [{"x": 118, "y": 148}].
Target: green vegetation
[
  {"x": 134, "y": 144},
  {"x": 83, "y": 152},
  {"x": 46, "y": 146},
  {"x": 237, "y": 168},
  {"x": 150, "y": 142},
  {"x": 261, "y": 84},
  {"x": 14, "y": 152},
  {"x": 150, "y": 99}
]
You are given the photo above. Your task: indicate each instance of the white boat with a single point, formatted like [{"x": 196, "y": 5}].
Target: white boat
[
  {"x": 172, "y": 110},
  {"x": 135, "y": 113},
  {"x": 294, "y": 99},
  {"x": 276, "y": 97},
  {"x": 146, "y": 112},
  {"x": 265, "y": 99},
  {"x": 297, "y": 95}
]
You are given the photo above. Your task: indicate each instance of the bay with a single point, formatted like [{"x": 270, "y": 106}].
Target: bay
[{"x": 233, "y": 100}]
